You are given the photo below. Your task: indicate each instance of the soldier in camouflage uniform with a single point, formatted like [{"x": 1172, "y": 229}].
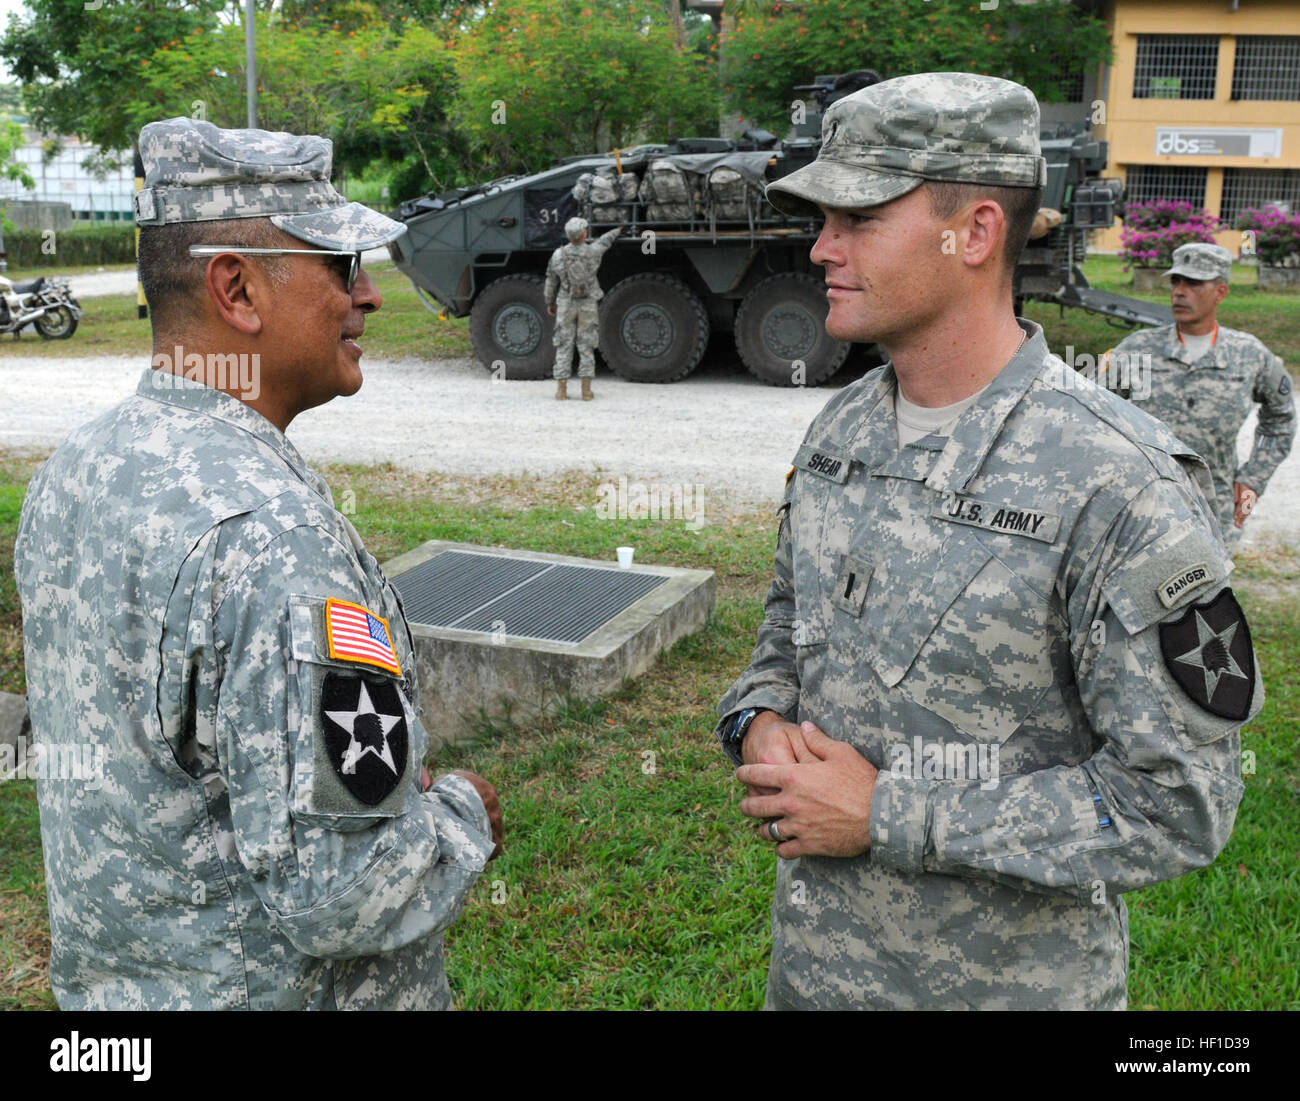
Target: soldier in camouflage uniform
[
  {"x": 999, "y": 617},
  {"x": 262, "y": 833},
  {"x": 1202, "y": 380},
  {"x": 572, "y": 295}
]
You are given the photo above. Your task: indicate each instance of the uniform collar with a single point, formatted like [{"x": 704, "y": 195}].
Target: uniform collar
[
  {"x": 980, "y": 425},
  {"x": 1177, "y": 348},
  {"x": 184, "y": 393}
]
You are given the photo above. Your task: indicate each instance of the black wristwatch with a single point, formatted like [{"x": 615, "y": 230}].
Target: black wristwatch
[{"x": 733, "y": 733}]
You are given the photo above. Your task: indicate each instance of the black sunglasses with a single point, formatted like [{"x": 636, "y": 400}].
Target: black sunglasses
[{"x": 354, "y": 266}]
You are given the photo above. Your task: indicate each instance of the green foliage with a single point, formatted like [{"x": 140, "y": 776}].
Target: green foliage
[
  {"x": 101, "y": 244},
  {"x": 80, "y": 68},
  {"x": 771, "y": 49},
  {"x": 542, "y": 79},
  {"x": 377, "y": 91},
  {"x": 11, "y": 137}
]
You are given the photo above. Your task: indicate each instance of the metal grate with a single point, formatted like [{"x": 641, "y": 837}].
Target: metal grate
[
  {"x": 1267, "y": 67},
  {"x": 1145, "y": 182},
  {"x": 1259, "y": 187},
  {"x": 518, "y": 597},
  {"x": 1176, "y": 66}
]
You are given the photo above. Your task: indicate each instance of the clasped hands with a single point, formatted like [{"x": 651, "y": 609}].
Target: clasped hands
[{"x": 818, "y": 790}]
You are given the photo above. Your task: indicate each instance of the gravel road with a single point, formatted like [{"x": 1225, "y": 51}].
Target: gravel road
[{"x": 719, "y": 429}]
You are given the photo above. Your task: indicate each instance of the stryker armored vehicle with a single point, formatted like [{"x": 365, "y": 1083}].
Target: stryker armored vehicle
[{"x": 702, "y": 252}]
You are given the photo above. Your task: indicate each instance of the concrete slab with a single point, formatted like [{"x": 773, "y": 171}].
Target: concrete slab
[{"x": 468, "y": 674}]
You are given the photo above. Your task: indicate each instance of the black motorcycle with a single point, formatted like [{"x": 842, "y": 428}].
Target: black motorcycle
[{"x": 45, "y": 304}]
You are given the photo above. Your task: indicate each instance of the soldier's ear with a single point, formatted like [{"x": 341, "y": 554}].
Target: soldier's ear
[
  {"x": 227, "y": 281},
  {"x": 1221, "y": 292}
]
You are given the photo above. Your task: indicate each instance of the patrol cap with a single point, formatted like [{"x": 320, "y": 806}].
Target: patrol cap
[
  {"x": 883, "y": 141},
  {"x": 575, "y": 228},
  {"x": 1201, "y": 261},
  {"x": 195, "y": 172}
]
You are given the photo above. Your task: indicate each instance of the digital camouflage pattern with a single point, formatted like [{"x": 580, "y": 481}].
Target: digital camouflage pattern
[
  {"x": 573, "y": 290},
  {"x": 173, "y": 559},
  {"x": 998, "y": 591},
  {"x": 881, "y": 142},
  {"x": 195, "y": 172},
  {"x": 1206, "y": 401},
  {"x": 1201, "y": 261}
]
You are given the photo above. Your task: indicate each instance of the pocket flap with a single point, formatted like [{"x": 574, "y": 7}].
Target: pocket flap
[{"x": 904, "y": 608}]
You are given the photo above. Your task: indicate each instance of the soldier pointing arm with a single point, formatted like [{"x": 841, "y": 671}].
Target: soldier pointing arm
[{"x": 572, "y": 294}]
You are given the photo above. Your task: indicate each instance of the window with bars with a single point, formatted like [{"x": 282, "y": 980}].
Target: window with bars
[
  {"x": 1147, "y": 182},
  {"x": 1259, "y": 188},
  {"x": 1267, "y": 67},
  {"x": 1176, "y": 66}
]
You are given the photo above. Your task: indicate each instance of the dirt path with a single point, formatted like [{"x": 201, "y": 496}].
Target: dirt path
[{"x": 718, "y": 429}]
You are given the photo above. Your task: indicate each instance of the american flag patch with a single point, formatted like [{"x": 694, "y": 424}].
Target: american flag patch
[{"x": 355, "y": 634}]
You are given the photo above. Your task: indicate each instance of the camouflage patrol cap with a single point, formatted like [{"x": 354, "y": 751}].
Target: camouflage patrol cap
[
  {"x": 575, "y": 228},
  {"x": 1201, "y": 261},
  {"x": 195, "y": 172},
  {"x": 883, "y": 141}
]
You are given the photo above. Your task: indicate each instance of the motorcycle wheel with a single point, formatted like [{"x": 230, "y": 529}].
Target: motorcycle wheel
[{"x": 58, "y": 324}]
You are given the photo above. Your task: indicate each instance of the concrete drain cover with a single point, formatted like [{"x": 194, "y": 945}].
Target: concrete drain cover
[
  {"x": 519, "y": 597},
  {"x": 503, "y": 633}
]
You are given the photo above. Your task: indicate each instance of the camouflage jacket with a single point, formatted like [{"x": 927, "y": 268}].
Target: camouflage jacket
[
  {"x": 981, "y": 617},
  {"x": 1205, "y": 402},
  {"x": 571, "y": 274},
  {"x": 175, "y": 558}
]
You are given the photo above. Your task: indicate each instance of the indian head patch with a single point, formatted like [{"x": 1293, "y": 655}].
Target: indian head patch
[
  {"x": 1209, "y": 652},
  {"x": 356, "y": 634},
  {"x": 365, "y": 733}
]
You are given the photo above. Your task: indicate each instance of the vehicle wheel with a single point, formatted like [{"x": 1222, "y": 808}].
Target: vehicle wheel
[
  {"x": 781, "y": 324},
  {"x": 58, "y": 325},
  {"x": 508, "y": 324},
  {"x": 653, "y": 328}
]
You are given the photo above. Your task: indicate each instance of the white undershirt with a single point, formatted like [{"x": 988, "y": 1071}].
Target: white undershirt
[
  {"x": 1197, "y": 346},
  {"x": 917, "y": 421}
]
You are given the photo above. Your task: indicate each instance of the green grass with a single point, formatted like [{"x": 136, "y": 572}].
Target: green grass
[{"x": 622, "y": 887}]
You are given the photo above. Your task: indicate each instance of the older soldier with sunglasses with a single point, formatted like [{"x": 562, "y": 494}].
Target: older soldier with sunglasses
[{"x": 261, "y": 833}]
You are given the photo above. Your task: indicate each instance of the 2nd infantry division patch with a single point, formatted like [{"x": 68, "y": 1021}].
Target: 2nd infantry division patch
[
  {"x": 365, "y": 734},
  {"x": 1209, "y": 652}
]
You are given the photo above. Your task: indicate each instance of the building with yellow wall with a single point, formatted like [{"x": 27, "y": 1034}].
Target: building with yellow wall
[{"x": 1202, "y": 102}]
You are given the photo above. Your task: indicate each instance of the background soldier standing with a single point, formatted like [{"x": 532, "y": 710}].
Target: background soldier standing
[
  {"x": 195, "y": 609},
  {"x": 998, "y": 590},
  {"x": 1205, "y": 379},
  {"x": 572, "y": 294}
]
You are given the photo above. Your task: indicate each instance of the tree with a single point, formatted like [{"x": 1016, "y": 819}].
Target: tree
[
  {"x": 80, "y": 66},
  {"x": 541, "y": 79},
  {"x": 11, "y": 137},
  {"x": 377, "y": 92},
  {"x": 773, "y": 48}
]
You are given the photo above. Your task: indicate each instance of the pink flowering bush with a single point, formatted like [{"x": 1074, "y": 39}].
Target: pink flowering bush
[
  {"x": 1276, "y": 236},
  {"x": 1153, "y": 230}
]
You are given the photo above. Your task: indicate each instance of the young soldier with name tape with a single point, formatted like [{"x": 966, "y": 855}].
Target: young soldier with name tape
[
  {"x": 981, "y": 560},
  {"x": 264, "y": 835}
]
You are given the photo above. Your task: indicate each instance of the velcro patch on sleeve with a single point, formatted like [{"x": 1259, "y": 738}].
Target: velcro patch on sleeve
[
  {"x": 1173, "y": 589},
  {"x": 354, "y": 633},
  {"x": 1208, "y": 652}
]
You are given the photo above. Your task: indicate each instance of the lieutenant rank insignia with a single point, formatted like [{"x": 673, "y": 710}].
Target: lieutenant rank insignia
[
  {"x": 1209, "y": 652},
  {"x": 355, "y": 634}
]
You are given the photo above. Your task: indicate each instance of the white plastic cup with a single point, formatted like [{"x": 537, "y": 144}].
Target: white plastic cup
[{"x": 625, "y": 557}]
